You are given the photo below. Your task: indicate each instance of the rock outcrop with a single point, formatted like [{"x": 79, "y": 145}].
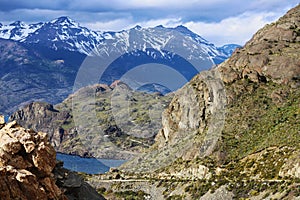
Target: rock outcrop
[
  {"x": 41, "y": 116},
  {"x": 28, "y": 168},
  {"x": 27, "y": 160},
  {"x": 271, "y": 55}
]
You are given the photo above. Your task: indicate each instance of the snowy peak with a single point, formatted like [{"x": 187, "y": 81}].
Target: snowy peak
[
  {"x": 137, "y": 27},
  {"x": 65, "y": 22},
  {"x": 183, "y": 29},
  {"x": 18, "y": 24},
  {"x": 63, "y": 33},
  {"x": 18, "y": 30}
]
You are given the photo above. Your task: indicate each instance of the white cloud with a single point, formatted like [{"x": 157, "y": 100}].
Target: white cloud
[
  {"x": 112, "y": 25},
  {"x": 123, "y": 24},
  {"x": 169, "y": 22},
  {"x": 237, "y": 29}
]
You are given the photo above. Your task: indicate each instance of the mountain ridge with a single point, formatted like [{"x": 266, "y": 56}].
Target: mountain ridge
[
  {"x": 26, "y": 33},
  {"x": 58, "y": 48}
]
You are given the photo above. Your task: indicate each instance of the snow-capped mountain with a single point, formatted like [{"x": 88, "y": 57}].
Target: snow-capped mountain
[
  {"x": 17, "y": 30},
  {"x": 60, "y": 33},
  {"x": 64, "y": 33},
  {"x": 158, "y": 38}
]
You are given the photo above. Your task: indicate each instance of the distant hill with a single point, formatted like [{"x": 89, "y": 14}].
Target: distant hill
[{"x": 101, "y": 121}]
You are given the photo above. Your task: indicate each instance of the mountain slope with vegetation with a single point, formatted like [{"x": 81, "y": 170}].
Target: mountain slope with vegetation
[{"x": 250, "y": 152}]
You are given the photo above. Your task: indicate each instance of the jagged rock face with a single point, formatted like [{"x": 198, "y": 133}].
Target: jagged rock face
[
  {"x": 192, "y": 124},
  {"x": 28, "y": 168},
  {"x": 271, "y": 54},
  {"x": 27, "y": 160},
  {"x": 42, "y": 117}
]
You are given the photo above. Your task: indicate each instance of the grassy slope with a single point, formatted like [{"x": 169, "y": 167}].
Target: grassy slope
[{"x": 268, "y": 116}]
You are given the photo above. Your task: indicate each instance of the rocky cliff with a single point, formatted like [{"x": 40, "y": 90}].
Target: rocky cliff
[
  {"x": 263, "y": 75},
  {"x": 29, "y": 170}
]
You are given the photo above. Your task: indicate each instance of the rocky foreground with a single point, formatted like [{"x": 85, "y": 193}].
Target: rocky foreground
[{"x": 29, "y": 170}]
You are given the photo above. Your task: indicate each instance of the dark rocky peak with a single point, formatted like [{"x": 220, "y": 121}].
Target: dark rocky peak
[
  {"x": 64, "y": 20},
  {"x": 137, "y": 27},
  {"x": 160, "y": 26},
  {"x": 18, "y": 24},
  {"x": 183, "y": 29}
]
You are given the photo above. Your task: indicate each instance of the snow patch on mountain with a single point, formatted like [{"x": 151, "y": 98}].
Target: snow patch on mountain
[
  {"x": 18, "y": 30},
  {"x": 64, "y": 33}
]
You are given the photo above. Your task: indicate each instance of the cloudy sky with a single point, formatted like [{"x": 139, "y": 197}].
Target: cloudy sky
[{"x": 219, "y": 21}]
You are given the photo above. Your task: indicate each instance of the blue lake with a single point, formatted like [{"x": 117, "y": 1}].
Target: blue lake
[{"x": 88, "y": 165}]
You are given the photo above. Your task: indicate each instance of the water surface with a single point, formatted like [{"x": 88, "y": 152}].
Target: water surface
[{"x": 87, "y": 165}]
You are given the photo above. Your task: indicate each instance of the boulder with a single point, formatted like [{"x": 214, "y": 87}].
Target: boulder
[
  {"x": 27, "y": 167},
  {"x": 27, "y": 160}
]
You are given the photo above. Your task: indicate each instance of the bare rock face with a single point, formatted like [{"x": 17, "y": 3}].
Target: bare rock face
[
  {"x": 272, "y": 50},
  {"x": 27, "y": 160},
  {"x": 29, "y": 170},
  {"x": 42, "y": 117},
  {"x": 192, "y": 124}
]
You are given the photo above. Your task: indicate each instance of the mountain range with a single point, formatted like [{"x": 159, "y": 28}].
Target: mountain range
[
  {"x": 41, "y": 61},
  {"x": 64, "y": 33}
]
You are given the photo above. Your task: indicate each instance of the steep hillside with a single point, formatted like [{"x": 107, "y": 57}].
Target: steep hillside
[
  {"x": 261, "y": 82},
  {"x": 233, "y": 132},
  {"x": 26, "y": 76}
]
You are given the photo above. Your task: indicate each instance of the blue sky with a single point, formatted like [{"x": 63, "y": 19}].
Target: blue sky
[{"x": 219, "y": 21}]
